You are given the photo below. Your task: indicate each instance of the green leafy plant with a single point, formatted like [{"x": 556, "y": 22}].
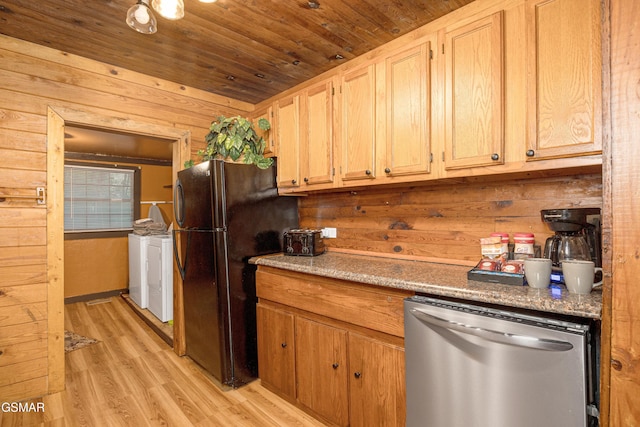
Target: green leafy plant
[{"x": 235, "y": 137}]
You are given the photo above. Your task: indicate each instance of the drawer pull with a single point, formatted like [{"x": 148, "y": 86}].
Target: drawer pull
[
  {"x": 283, "y": 345},
  {"x": 357, "y": 374},
  {"x": 335, "y": 366}
]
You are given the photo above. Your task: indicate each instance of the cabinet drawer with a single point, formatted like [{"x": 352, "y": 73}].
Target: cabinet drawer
[{"x": 372, "y": 307}]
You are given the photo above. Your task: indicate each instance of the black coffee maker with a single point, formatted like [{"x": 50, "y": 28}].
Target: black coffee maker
[{"x": 577, "y": 235}]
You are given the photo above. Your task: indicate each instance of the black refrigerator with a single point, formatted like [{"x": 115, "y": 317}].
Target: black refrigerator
[{"x": 226, "y": 213}]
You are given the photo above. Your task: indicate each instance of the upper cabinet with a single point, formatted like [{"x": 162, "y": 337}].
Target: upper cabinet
[
  {"x": 408, "y": 112},
  {"x": 474, "y": 130},
  {"x": 305, "y": 139},
  {"x": 564, "y": 83},
  {"x": 287, "y": 112},
  {"x": 316, "y": 150},
  {"x": 358, "y": 124},
  {"x": 504, "y": 87},
  {"x": 385, "y": 118},
  {"x": 269, "y": 135}
]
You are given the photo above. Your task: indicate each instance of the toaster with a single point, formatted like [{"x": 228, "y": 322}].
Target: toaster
[{"x": 303, "y": 242}]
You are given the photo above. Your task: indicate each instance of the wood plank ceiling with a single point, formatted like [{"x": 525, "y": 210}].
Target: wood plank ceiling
[{"x": 248, "y": 50}]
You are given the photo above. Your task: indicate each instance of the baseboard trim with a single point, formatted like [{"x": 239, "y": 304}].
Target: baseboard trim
[
  {"x": 89, "y": 297},
  {"x": 150, "y": 322}
]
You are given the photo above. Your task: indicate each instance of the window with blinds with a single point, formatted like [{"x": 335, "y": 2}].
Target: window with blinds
[{"x": 98, "y": 199}]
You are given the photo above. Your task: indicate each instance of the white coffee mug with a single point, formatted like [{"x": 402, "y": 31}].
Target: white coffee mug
[
  {"x": 579, "y": 276},
  {"x": 538, "y": 272}
]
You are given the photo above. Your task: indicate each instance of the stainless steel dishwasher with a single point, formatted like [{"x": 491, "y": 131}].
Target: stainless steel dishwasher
[{"x": 474, "y": 366}]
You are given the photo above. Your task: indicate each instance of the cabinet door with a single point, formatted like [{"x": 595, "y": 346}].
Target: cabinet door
[
  {"x": 474, "y": 131},
  {"x": 378, "y": 366},
  {"x": 564, "y": 78},
  {"x": 408, "y": 117},
  {"x": 288, "y": 141},
  {"x": 269, "y": 138},
  {"x": 358, "y": 134},
  {"x": 276, "y": 350},
  {"x": 321, "y": 361},
  {"x": 317, "y": 138}
]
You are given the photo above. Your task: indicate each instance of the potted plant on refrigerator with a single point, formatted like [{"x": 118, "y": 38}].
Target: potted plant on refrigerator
[{"x": 235, "y": 138}]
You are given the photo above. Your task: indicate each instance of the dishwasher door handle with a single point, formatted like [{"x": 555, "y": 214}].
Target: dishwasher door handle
[{"x": 491, "y": 335}]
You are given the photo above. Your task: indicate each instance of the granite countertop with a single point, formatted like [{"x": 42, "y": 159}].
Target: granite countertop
[{"x": 436, "y": 279}]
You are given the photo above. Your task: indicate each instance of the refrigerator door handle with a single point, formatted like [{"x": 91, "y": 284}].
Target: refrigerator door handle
[
  {"x": 182, "y": 268},
  {"x": 178, "y": 203},
  {"x": 491, "y": 335}
]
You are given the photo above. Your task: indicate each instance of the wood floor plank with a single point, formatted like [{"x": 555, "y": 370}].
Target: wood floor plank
[
  {"x": 185, "y": 402},
  {"x": 241, "y": 415},
  {"x": 54, "y": 409},
  {"x": 283, "y": 413},
  {"x": 81, "y": 405},
  {"x": 132, "y": 378},
  {"x": 128, "y": 413},
  {"x": 166, "y": 408}
]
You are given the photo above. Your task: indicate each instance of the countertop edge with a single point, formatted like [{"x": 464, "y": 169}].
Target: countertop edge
[{"x": 451, "y": 284}]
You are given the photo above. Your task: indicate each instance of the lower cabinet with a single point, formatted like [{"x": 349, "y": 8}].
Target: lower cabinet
[
  {"x": 329, "y": 365},
  {"x": 276, "y": 358},
  {"x": 322, "y": 370},
  {"x": 377, "y": 383}
]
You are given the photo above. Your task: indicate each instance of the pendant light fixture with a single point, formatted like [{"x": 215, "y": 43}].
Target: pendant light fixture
[
  {"x": 141, "y": 18},
  {"x": 170, "y": 9}
]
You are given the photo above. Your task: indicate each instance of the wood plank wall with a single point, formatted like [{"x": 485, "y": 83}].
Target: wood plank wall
[
  {"x": 32, "y": 79},
  {"x": 444, "y": 222},
  {"x": 624, "y": 183}
]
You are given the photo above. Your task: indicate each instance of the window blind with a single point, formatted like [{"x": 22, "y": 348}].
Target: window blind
[{"x": 98, "y": 199}]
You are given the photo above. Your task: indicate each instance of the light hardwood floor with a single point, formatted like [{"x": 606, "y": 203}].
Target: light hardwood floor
[{"x": 133, "y": 378}]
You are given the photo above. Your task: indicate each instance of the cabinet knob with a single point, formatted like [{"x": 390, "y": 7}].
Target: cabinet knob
[
  {"x": 530, "y": 153},
  {"x": 368, "y": 172},
  {"x": 495, "y": 156},
  {"x": 357, "y": 374},
  {"x": 335, "y": 366},
  {"x": 306, "y": 179},
  {"x": 387, "y": 170},
  {"x": 293, "y": 181},
  {"x": 283, "y": 345}
]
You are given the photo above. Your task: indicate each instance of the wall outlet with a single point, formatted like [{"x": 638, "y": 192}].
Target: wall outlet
[{"x": 329, "y": 233}]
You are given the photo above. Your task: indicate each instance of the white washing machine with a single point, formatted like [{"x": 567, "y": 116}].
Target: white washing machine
[
  {"x": 160, "y": 276},
  {"x": 138, "y": 289}
]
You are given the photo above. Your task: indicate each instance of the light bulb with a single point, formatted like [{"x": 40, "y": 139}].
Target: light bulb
[
  {"x": 141, "y": 18},
  {"x": 142, "y": 15},
  {"x": 170, "y": 9}
]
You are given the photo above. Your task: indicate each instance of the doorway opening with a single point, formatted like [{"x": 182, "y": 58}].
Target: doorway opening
[{"x": 127, "y": 137}]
